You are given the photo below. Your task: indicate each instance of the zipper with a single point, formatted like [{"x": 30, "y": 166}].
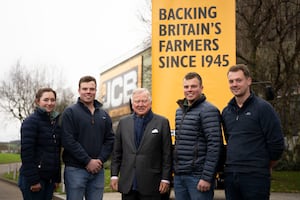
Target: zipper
[{"x": 237, "y": 114}]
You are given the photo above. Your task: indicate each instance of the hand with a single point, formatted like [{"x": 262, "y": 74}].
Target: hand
[
  {"x": 114, "y": 184},
  {"x": 203, "y": 186},
  {"x": 94, "y": 166},
  {"x": 164, "y": 187},
  {"x": 273, "y": 163},
  {"x": 36, "y": 188},
  {"x": 56, "y": 185}
]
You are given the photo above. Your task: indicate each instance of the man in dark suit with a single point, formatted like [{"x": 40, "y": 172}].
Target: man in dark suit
[{"x": 141, "y": 161}]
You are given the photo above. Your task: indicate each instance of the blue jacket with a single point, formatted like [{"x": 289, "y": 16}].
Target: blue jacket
[
  {"x": 40, "y": 147},
  {"x": 85, "y": 135},
  {"x": 198, "y": 139},
  {"x": 253, "y": 134}
]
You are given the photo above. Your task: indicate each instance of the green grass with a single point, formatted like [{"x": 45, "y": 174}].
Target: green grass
[
  {"x": 12, "y": 158},
  {"x": 9, "y": 158},
  {"x": 107, "y": 181},
  {"x": 14, "y": 177},
  {"x": 282, "y": 181},
  {"x": 285, "y": 181}
]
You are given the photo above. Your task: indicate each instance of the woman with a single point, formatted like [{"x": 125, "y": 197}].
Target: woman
[{"x": 40, "y": 173}]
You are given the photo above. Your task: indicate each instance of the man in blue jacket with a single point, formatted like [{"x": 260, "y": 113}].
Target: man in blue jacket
[
  {"x": 87, "y": 138},
  {"x": 197, "y": 143},
  {"x": 254, "y": 140}
]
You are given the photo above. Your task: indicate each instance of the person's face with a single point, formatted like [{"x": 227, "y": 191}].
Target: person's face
[
  {"x": 87, "y": 92},
  {"x": 141, "y": 104},
  {"x": 47, "y": 101},
  {"x": 192, "y": 89},
  {"x": 239, "y": 84}
]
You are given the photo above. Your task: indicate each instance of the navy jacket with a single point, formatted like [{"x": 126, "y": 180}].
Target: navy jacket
[
  {"x": 40, "y": 147},
  {"x": 254, "y": 136},
  {"x": 198, "y": 139},
  {"x": 85, "y": 135}
]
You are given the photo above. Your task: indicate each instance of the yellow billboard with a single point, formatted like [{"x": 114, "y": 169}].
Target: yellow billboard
[{"x": 190, "y": 35}]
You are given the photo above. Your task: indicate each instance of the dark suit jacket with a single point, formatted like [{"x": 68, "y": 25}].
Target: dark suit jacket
[{"x": 151, "y": 161}]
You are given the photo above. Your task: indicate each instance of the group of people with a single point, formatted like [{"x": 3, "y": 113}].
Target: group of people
[{"x": 144, "y": 163}]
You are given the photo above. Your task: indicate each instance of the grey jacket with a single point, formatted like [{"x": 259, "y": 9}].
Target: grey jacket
[{"x": 151, "y": 161}]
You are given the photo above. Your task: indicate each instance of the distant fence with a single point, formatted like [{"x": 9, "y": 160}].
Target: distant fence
[{"x": 12, "y": 168}]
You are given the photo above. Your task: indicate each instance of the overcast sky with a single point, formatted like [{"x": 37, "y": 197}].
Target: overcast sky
[{"x": 77, "y": 37}]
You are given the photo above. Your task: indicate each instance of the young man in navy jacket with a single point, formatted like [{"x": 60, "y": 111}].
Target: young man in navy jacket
[
  {"x": 87, "y": 138},
  {"x": 254, "y": 139}
]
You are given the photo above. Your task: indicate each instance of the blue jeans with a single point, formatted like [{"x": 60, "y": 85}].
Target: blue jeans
[
  {"x": 243, "y": 186},
  {"x": 80, "y": 183},
  {"x": 46, "y": 193},
  {"x": 185, "y": 188}
]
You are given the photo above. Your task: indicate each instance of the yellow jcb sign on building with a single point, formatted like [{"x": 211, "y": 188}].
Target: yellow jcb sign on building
[{"x": 191, "y": 35}]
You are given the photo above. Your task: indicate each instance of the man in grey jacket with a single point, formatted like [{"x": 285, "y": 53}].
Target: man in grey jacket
[
  {"x": 197, "y": 144},
  {"x": 141, "y": 161}
]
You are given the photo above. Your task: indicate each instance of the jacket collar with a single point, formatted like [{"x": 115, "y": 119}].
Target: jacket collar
[
  {"x": 97, "y": 104},
  {"x": 52, "y": 115},
  {"x": 233, "y": 102},
  {"x": 184, "y": 104}
]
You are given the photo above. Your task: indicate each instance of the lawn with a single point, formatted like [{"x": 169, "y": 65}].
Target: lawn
[
  {"x": 285, "y": 181},
  {"x": 9, "y": 158},
  {"x": 282, "y": 181}
]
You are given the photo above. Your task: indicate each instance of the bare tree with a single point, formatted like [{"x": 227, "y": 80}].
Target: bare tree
[
  {"x": 65, "y": 98},
  {"x": 145, "y": 16},
  {"x": 19, "y": 88},
  {"x": 268, "y": 42}
]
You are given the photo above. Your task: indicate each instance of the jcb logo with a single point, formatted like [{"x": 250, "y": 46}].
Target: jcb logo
[{"x": 117, "y": 91}]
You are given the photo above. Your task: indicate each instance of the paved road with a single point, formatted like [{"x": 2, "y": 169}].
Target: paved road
[
  {"x": 219, "y": 195},
  {"x": 10, "y": 191}
]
